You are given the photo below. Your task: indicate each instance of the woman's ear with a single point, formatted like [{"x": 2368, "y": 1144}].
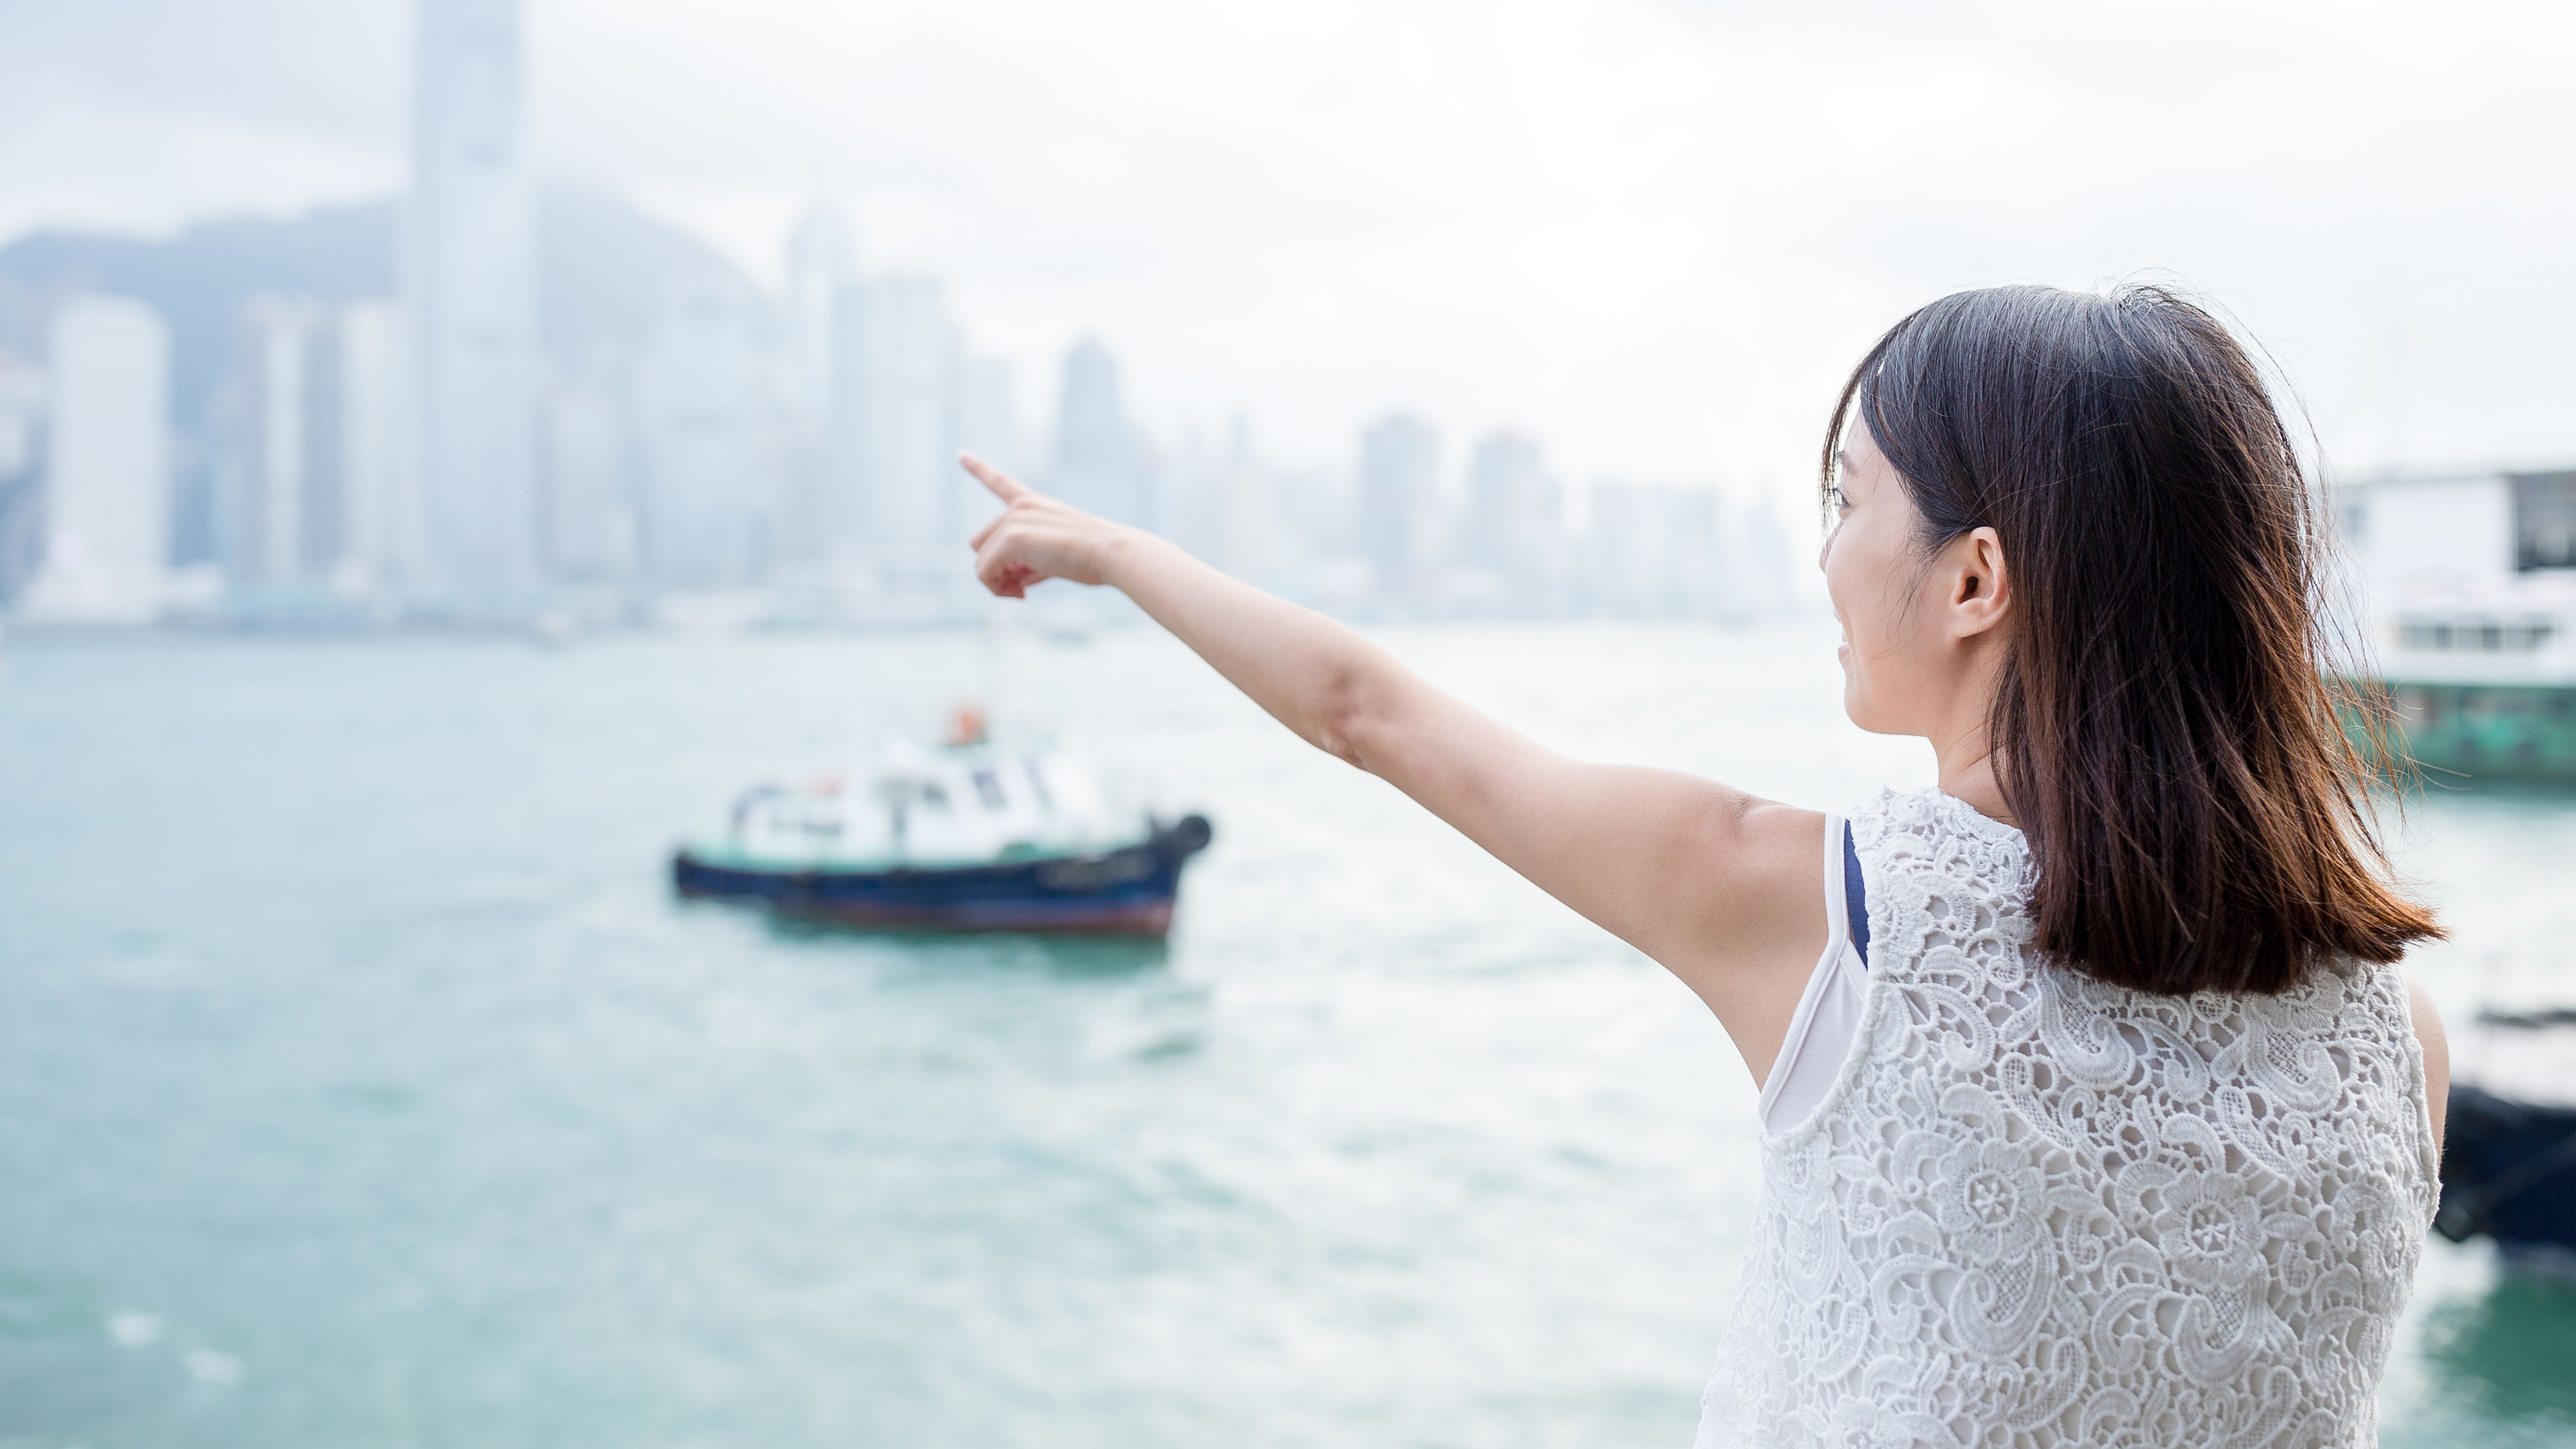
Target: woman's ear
[{"x": 1981, "y": 591}]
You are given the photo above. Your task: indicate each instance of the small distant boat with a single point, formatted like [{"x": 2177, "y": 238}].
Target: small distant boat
[
  {"x": 972, "y": 836},
  {"x": 2509, "y": 1161}
]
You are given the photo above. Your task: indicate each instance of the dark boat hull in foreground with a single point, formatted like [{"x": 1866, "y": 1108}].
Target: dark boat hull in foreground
[
  {"x": 1127, "y": 891},
  {"x": 2509, "y": 1158}
]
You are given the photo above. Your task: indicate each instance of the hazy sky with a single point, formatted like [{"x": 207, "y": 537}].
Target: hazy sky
[{"x": 1652, "y": 234}]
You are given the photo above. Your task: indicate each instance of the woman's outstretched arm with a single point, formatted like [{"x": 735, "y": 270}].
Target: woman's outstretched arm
[{"x": 1725, "y": 890}]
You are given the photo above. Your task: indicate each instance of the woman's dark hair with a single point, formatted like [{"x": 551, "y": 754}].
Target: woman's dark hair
[{"x": 2164, "y": 727}]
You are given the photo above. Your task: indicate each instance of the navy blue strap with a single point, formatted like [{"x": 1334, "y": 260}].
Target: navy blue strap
[{"x": 1855, "y": 897}]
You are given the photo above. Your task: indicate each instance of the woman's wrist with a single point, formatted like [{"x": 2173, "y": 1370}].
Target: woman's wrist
[{"x": 1117, "y": 554}]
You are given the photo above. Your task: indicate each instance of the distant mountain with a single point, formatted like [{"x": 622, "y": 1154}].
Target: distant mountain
[
  {"x": 603, "y": 268},
  {"x": 199, "y": 279}
]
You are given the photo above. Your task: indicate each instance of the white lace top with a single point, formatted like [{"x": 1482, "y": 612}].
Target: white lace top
[{"x": 2035, "y": 1210}]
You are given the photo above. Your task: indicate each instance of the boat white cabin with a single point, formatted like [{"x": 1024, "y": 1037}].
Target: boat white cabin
[
  {"x": 2466, "y": 585},
  {"x": 2466, "y": 578},
  {"x": 956, "y": 805}
]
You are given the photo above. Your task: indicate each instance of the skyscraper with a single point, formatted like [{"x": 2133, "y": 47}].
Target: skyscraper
[
  {"x": 22, "y": 478},
  {"x": 1514, "y": 522},
  {"x": 702, "y": 501},
  {"x": 1224, "y": 507},
  {"x": 1399, "y": 509},
  {"x": 591, "y": 523},
  {"x": 311, "y": 463},
  {"x": 988, "y": 418},
  {"x": 820, "y": 271},
  {"x": 470, "y": 275},
  {"x": 381, "y": 526},
  {"x": 897, "y": 374},
  {"x": 1098, "y": 465},
  {"x": 284, "y": 505},
  {"x": 1653, "y": 551},
  {"x": 107, "y": 544},
  {"x": 819, "y": 510}
]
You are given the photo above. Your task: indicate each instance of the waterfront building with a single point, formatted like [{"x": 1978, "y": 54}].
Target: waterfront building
[
  {"x": 820, "y": 272},
  {"x": 818, "y": 507},
  {"x": 1399, "y": 503},
  {"x": 1652, "y": 551},
  {"x": 897, "y": 527},
  {"x": 1513, "y": 528},
  {"x": 591, "y": 531},
  {"x": 2466, "y": 595},
  {"x": 311, "y": 451},
  {"x": 704, "y": 506},
  {"x": 988, "y": 415},
  {"x": 380, "y": 542},
  {"x": 281, "y": 502},
  {"x": 469, "y": 272},
  {"x": 107, "y": 471},
  {"x": 1225, "y": 507},
  {"x": 1099, "y": 460},
  {"x": 22, "y": 501}
]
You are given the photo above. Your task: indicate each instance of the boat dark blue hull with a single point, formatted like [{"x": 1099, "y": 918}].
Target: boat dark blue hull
[
  {"x": 1125, "y": 891},
  {"x": 2509, "y": 1171}
]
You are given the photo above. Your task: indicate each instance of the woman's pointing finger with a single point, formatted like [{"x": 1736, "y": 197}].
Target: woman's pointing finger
[{"x": 1004, "y": 486}]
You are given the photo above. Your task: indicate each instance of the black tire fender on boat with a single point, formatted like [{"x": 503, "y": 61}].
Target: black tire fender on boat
[{"x": 1186, "y": 836}]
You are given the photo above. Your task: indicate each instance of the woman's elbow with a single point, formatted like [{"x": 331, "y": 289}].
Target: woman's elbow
[{"x": 1349, "y": 716}]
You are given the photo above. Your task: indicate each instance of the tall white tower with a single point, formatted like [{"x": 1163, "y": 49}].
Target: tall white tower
[
  {"x": 379, "y": 448},
  {"x": 818, "y": 502},
  {"x": 470, "y": 277},
  {"x": 820, "y": 270},
  {"x": 108, "y": 483},
  {"x": 897, "y": 375},
  {"x": 702, "y": 511},
  {"x": 1096, "y": 462}
]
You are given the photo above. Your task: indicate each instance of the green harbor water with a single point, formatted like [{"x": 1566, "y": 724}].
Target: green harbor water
[{"x": 362, "y": 1084}]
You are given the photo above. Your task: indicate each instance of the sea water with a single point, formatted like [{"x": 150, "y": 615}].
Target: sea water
[{"x": 361, "y": 1082}]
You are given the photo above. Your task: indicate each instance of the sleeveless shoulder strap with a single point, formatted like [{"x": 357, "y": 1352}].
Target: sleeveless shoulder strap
[{"x": 1855, "y": 896}]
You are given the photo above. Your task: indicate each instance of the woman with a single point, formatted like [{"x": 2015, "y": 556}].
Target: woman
[{"x": 2094, "y": 1107}]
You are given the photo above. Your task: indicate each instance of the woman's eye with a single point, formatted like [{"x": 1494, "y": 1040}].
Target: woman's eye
[{"x": 1841, "y": 503}]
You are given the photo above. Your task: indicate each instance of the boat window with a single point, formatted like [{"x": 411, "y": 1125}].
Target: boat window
[
  {"x": 2544, "y": 521},
  {"x": 1037, "y": 782},
  {"x": 2484, "y": 636},
  {"x": 933, "y": 796},
  {"x": 988, "y": 787}
]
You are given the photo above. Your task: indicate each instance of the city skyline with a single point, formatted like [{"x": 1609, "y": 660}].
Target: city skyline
[
  {"x": 448, "y": 440},
  {"x": 804, "y": 440}
]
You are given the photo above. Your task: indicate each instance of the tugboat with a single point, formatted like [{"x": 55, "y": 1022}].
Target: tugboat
[
  {"x": 2509, "y": 1164},
  {"x": 972, "y": 836}
]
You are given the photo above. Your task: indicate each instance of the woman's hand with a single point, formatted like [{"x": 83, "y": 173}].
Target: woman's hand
[{"x": 1036, "y": 538}]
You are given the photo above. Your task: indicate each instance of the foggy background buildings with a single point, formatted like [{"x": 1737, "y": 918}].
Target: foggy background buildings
[{"x": 496, "y": 400}]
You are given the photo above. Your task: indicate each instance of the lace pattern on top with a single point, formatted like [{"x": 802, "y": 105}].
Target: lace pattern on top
[{"x": 2035, "y": 1210}]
